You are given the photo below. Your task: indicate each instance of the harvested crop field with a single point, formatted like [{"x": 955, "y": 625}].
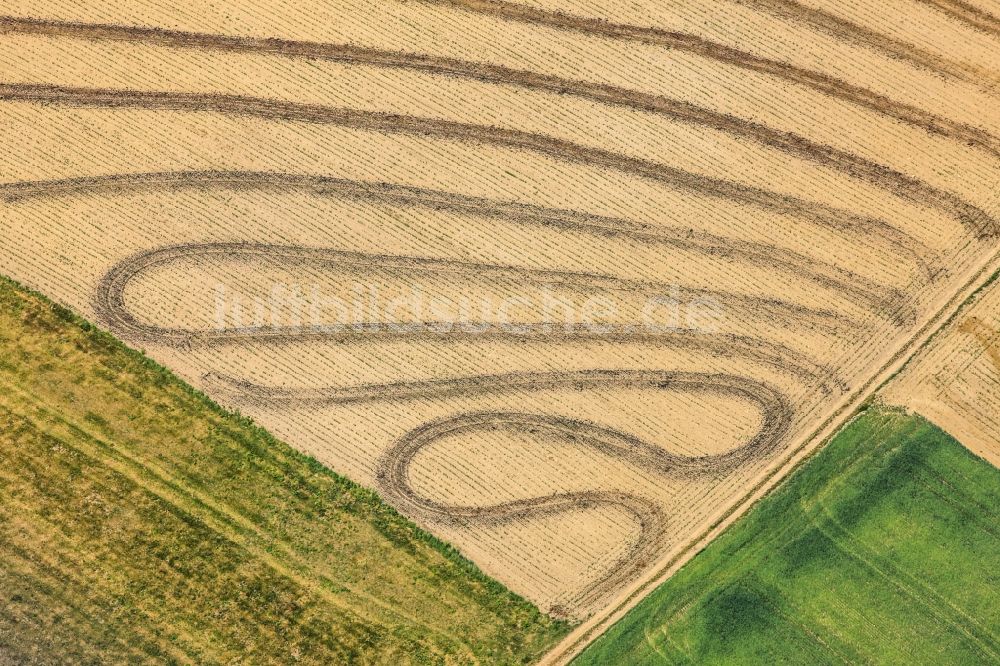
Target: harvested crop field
[
  {"x": 884, "y": 548},
  {"x": 955, "y": 380},
  {"x": 139, "y": 523},
  {"x": 562, "y": 282}
]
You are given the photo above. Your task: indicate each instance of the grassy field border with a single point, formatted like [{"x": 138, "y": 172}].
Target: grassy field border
[
  {"x": 393, "y": 526},
  {"x": 361, "y": 493}
]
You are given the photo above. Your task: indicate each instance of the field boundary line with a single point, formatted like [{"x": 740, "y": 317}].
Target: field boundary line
[{"x": 593, "y": 628}]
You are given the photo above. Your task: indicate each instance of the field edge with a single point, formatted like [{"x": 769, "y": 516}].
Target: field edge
[{"x": 391, "y": 523}]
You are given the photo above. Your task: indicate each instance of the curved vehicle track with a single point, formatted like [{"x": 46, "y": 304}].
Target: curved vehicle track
[
  {"x": 899, "y": 184},
  {"x": 392, "y": 473},
  {"x": 113, "y": 312},
  {"x": 967, "y": 214},
  {"x": 881, "y": 300},
  {"x": 394, "y": 477},
  {"x": 393, "y": 469},
  {"x": 486, "y": 72},
  {"x": 789, "y": 10},
  {"x": 110, "y": 301}
]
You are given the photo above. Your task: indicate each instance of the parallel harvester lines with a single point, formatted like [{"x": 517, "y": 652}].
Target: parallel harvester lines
[
  {"x": 394, "y": 478},
  {"x": 113, "y": 312},
  {"x": 972, "y": 217},
  {"x": 823, "y": 83},
  {"x": 899, "y": 184},
  {"x": 889, "y": 302}
]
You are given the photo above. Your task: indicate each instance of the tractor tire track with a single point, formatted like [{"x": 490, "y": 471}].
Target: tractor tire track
[
  {"x": 852, "y": 33},
  {"x": 899, "y": 184},
  {"x": 885, "y": 301},
  {"x": 969, "y": 15},
  {"x": 113, "y": 312},
  {"x": 394, "y": 477},
  {"x": 392, "y": 474},
  {"x": 976, "y": 220},
  {"x": 826, "y": 84},
  {"x": 247, "y": 392}
]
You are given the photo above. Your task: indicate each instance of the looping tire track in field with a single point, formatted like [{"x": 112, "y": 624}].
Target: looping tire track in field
[
  {"x": 394, "y": 469},
  {"x": 884, "y": 301},
  {"x": 970, "y": 216},
  {"x": 899, "y": 184},
  {"x": 248, "y": 392},
  {"x": 773, "y": 405},
  {"x": 393, "y": 472},
  {"x": 113, "y": 312}
]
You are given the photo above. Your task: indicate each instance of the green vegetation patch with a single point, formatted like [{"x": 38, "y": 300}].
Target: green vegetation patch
[
  {"x": 884, "y": 548},
  {"x": 139, "y": 522}
]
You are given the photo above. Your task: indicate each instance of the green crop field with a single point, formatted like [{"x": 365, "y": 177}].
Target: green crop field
[
  {"x": 884, "y": 548},
  {"x": 139, "y": 522}
]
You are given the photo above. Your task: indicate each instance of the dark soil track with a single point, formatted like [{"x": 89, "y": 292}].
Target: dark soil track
[
  {"x": 110, "y": 301},
  {"x": 791, "y": 11},
  {"x": 969, "y": 215},
  {"x": 972, "y": 16},
  {"x": 858, "y": 167},
  {"x": 490, "y": 73},
  {"x": 393, "y": 472},
  {"x": 881, "y": 300}
]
